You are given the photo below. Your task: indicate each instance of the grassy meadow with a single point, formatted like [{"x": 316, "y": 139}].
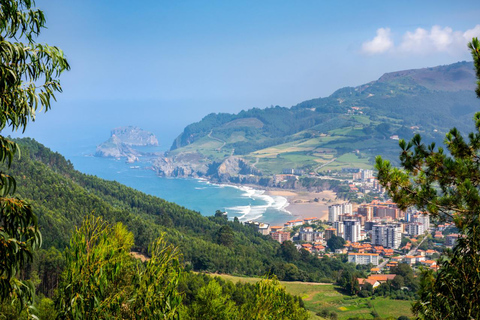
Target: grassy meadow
[{"x": 318, "y": 297}]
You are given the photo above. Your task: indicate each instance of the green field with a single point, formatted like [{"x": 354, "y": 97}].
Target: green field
[
  {"x": 309, "y": 150},
  {"x": 318, "y": 297},
  {"x": 349, "y": 160}
]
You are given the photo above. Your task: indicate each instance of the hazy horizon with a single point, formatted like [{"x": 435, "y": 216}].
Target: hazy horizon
[{"x": 163, "y": 65}]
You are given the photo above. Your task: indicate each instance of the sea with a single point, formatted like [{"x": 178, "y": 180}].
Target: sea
[{"x": 245, "y": 203}]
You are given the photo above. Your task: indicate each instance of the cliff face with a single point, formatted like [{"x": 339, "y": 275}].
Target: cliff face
[
  {"x": 185, "y": 165},
  {"x": 194, "y": 165},
  {"x": 134, "y": 136}
]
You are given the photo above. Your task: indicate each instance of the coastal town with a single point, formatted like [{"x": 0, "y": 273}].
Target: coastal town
[{"x": 377, "y": 234}]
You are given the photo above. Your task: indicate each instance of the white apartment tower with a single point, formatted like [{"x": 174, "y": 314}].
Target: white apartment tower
[
  {"x": 337, "y": 209},
  {"x": 388, "y": 236}
]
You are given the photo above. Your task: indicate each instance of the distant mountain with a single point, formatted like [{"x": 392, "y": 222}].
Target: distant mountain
[{"x": 348, "y": 128}]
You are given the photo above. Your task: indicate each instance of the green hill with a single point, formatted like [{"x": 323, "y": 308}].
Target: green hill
[
  {"x": 348, "y": 128},
  {"x": 61, "y": 197}
]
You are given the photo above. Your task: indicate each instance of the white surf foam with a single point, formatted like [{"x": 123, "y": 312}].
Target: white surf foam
[{"x": 256, "y": 212}]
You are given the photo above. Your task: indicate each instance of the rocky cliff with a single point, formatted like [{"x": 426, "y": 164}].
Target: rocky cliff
[
  {"x": 194, "y": 165},
  {"x": 122, "y": 142}
]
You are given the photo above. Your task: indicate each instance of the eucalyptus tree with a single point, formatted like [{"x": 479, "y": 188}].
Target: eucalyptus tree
[
  {"x": 102, "y": 280},
  {"x": 29, "y": 79}
]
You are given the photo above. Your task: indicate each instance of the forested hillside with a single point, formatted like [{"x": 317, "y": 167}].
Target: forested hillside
[
  {"x": 62, "y": 197},
  {"x": 367, "y": 120}
]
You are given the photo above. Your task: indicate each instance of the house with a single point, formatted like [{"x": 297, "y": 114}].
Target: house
[
  {"x": 391, "y": 264},
  {"x": 382, "y": 278},
  {"x": 451, "y": 239},
  {"x": 311, "y": 220},
  {"x": 420, "y": 258},
  {"x": 263, "y": 228},
  {"x": 307, "y": 246},
  {"x": 319, "y": 248},
  {"x": 362, "y": 282},
  {"x": 410, "y": 260},
  {"x": 293, "y": 223},
  {"x": 429, "y": 263},
  {"x": 375, "y": 270},
  {"x": 430, "y": 252},
  {"x": 276, "y": 228},
  {"x": 280, "y": 236}
]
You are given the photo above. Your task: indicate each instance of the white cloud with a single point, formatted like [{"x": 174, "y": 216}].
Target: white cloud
[
  {"x": 422, "y": 41},
  {"x": 471, "y": 33},
  {"x": 380, "y": 44}
]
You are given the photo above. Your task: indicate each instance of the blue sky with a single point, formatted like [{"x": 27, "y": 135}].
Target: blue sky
[{"x": 164, "y": 64}]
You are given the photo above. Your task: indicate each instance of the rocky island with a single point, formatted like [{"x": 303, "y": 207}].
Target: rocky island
[{"x": 122, "y": 142}]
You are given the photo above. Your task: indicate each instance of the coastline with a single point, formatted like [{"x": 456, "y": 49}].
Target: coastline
[
  {"x": 302, "y": 203},
  {"x": 299, "y": 204}
]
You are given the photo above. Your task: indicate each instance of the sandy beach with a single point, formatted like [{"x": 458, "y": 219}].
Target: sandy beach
[{"x": 303, "y": 203}]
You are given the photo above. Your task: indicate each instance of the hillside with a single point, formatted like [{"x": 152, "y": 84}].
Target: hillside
[
  {"x": 61, "y": 197},
  {"x": 348, "y": 128}
]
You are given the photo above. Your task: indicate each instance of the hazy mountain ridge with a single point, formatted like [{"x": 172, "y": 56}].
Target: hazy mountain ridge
[{"x": 319, "y": 134}]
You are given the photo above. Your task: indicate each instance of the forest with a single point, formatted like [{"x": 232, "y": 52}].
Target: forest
[{"x": 63, "y": 199}]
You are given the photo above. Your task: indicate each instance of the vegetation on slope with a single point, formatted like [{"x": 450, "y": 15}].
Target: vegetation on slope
[
  {"x": 62, "y": 197},
  {"x": 361, "y": 119}
]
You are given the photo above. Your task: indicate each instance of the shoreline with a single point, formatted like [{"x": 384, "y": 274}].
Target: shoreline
[{"x": 301, "y": 204}]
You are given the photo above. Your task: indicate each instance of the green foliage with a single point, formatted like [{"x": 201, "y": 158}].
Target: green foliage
[
  {"x": 225, "y": 236},
  {"x": 446, "y": 185},
  {"x": 335, "y": 242},
  {"x": 288, "y": 251},
  {"x": 29, "y": 79},
  {"x": 215, "y": 298},
  {"x": 272, "y": 302},
  {"x": 475, "y": 51},
  {"x": 155, "y": 284},
  {"x": 211, "y": 303},
  {"x": 349, "y": 281},
  {"x": 102, "y": 280}
]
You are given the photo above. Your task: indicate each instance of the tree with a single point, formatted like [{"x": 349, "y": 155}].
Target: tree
[
  {"x": 335, "y": 243},
  {"x": 271, "y": 301},
  {"x": 225, "y": 236},
  {"x": 212, "y": 304},
  {"x": 446, "y": 184},
  {"x": 102, "y": 281},
  {"x": 288, "y": 251},
  {"x": 474, "y": 47},
  {"x": 29, "y": 75}
]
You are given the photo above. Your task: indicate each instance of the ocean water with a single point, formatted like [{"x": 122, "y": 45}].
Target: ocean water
[{"x": 245, "y": 203}]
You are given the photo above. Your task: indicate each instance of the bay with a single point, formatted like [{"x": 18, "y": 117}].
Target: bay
[{"x": 245, "y": 203}]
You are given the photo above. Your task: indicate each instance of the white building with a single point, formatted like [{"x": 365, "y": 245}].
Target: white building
[
  {"x": 387, "y": 235},
  {"x": 366, "y": 175},
  {"x": 351, "y": 230},
  {"x": 337, "y": 209},
  {"x": 414, "y": 228},
  {"x": 423, "y": 219},
  {"x": 363, "y": 258}
]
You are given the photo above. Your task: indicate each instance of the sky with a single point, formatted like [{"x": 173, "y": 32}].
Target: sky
[{"x": 162, "y": 65}]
